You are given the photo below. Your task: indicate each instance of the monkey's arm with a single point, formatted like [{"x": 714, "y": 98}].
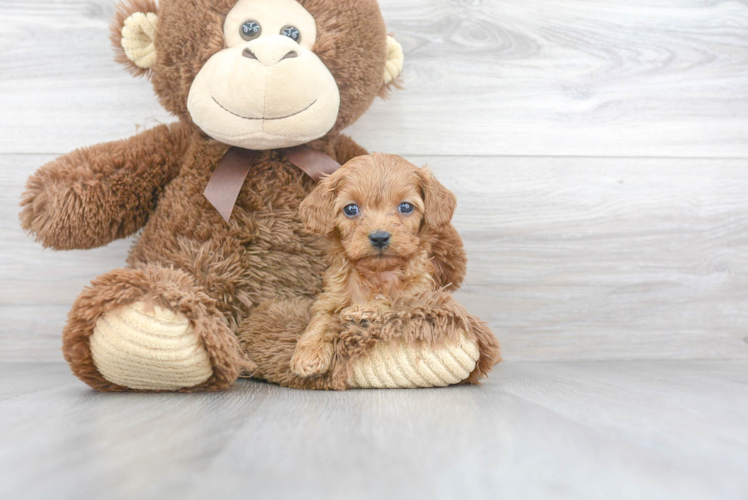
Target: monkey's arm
[{"x": 94, "y": 195}]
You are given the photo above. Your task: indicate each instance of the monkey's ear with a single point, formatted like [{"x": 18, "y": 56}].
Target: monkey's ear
[
  {"x": 394, "y": 65},
  {"x": 317, "y": 211},
  {"x": 439, "y": 202},
  {"x": 133, "y": 33}
]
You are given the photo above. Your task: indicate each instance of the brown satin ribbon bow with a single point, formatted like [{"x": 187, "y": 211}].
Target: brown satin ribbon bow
[{"x": 227, "y": 179}]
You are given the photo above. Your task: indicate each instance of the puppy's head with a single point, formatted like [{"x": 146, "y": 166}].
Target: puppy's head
[{"x": 381, "y": 208}]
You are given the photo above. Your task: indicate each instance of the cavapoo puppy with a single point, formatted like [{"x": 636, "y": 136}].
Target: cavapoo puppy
[{"x": 380, "y": 214}]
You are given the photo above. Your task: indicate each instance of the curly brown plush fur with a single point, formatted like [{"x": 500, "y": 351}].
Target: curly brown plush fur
[{"x": 187, "y": 258}]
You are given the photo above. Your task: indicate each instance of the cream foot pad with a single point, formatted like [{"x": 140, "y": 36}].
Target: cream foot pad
[
  {"x": 398, "y": 366},
  {"x": 153, "y": 350}
]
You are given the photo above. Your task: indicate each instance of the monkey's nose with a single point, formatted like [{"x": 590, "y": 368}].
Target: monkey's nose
[
  {"x": 379, "y": 239},
  {"x": 269, "y": 59}
]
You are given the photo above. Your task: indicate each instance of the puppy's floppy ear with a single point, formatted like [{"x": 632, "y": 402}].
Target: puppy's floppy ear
[
  {"x": 439, "y": 201},
  {"x": 317, "y": 211}
]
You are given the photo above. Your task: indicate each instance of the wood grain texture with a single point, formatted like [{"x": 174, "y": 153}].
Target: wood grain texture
[
  {"x": 569, "y": 258},
  {"x": 613, "y": 430},
  {"x": 578, "y": 77},
  {"x": 482, "y": 77},
  {"x": 573, "y": 258}
]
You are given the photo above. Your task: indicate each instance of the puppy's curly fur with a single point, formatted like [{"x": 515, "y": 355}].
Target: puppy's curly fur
[{"x": 381, "y": 215}]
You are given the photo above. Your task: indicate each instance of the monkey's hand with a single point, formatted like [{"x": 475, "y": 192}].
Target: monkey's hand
[{"x": 92, "y": 196}]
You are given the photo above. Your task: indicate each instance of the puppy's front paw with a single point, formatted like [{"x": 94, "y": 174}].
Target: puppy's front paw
[
  {"x": 311, "y": 359},
  {"x": 359, "y": 316}
]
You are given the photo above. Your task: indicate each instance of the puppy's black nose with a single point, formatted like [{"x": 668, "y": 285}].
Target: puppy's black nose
[{"x": 379, "y": 239}]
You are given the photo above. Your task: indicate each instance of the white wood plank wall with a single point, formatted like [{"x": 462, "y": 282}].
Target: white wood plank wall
[{"x": 599, "y": 150}]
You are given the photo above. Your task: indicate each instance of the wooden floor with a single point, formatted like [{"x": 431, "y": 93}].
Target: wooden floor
[
  {"x": 592, "y": 430},
  {"x": 599, "y": 151}
]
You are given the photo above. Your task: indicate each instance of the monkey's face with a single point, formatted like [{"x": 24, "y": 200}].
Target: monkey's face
[
  {"x": 260, "y": 74},
  {"x": 267, "y": 89}
]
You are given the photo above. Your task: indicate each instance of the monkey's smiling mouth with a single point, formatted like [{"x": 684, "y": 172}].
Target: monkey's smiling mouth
[{"x": 262, "y": 118}]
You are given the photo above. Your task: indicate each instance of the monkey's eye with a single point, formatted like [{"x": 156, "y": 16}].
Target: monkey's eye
[
  {"x": 250, "y": 30},
  {"x": 291, "y": 32},
  {"x": 351, "y": 210},
  {"x": 405, "y": 208}
]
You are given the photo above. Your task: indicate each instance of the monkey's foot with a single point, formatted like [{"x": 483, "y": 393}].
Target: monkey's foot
[
  {"x": 149, "y": 348},
  {"x": 397, "y": 365}
]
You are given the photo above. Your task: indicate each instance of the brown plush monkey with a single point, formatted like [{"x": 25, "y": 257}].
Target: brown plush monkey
[{"x": 256, "y": 76}]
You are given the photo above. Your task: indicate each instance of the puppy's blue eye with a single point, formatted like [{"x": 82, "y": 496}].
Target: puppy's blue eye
[
  {"x": 405, "y": 208},
  {"x": 351, "y": 210}
]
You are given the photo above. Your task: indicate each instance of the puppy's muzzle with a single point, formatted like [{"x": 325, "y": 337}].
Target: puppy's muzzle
[{"x": 379, "y": 239}]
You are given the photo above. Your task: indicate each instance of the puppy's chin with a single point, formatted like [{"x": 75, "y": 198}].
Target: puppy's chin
[{"x": 379, "y": 263}]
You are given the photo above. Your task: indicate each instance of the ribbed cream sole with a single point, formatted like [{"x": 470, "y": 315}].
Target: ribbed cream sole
[
  {"x": 392, "y": 366},
  {"x": 155, "y": 349}
]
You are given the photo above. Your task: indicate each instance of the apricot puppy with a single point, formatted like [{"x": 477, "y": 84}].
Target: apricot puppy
[{"x": 380, "y": 214}]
